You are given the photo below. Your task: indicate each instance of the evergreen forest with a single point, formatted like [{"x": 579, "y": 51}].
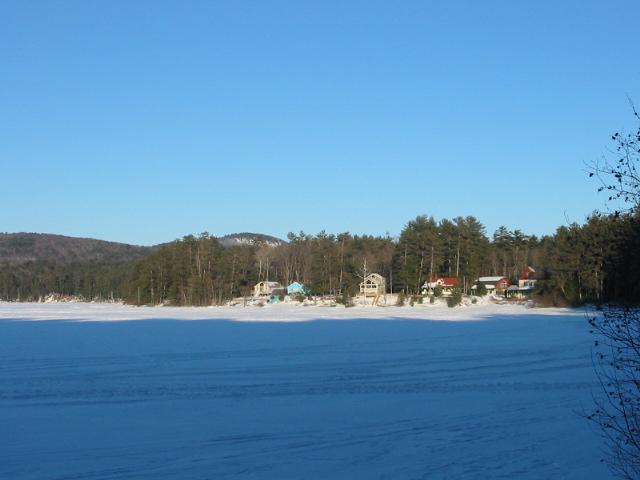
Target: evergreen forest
[{"x": 597, "y": 261}]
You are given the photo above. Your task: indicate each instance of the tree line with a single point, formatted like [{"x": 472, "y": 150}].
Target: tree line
[
  {"x": 33, "y": 280},
  {"x": 594, "y": 262}
]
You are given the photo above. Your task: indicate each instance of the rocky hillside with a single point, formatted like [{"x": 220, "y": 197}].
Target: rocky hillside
[
  {"x": 242, "y": 239},
  {"x": 25, "y": 247}
]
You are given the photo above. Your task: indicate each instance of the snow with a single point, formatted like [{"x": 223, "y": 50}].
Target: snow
[{"x": 100, "y": 391}]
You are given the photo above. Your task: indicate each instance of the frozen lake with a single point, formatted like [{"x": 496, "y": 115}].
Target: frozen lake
[{"x": 91, "y": 391}]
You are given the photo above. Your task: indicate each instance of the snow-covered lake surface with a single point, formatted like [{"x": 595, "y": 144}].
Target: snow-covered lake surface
[{"x": 94, "y": 391}]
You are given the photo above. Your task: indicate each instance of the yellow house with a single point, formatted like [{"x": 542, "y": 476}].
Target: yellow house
[{"x": 374, "y": 284}]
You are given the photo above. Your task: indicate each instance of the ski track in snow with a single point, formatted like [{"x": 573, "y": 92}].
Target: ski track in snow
[{"x": 91, "y": 391}]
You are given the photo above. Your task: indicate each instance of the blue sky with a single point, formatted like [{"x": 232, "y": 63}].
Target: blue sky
[{"x": 144, "y": 121}]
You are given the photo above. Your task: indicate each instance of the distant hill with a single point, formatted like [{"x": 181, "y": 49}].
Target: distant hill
[
  {"x": 25, "y": 247},
  {"x": 245, "y": 239},
  {"x": 29, "y": 247}
]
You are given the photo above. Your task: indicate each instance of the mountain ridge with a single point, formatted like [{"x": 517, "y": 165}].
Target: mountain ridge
[
  {"x": 16, "y": 248},
  {"x": 22, "y": 247}
]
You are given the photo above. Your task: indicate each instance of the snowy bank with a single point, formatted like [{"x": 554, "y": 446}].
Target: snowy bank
[{"x": 279, "y": 312}]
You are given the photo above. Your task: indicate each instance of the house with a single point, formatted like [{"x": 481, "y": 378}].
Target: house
[
  {"x": 296, "y": 289},
  {"x": 527, "y": 279},
  {"x": 493, "y": 285},
  {"x": 445, "y": 284},
  {"x": 267, "y": 288},
  {"x": 374, "y": 284},
  {"x": 526, "y": 285}
]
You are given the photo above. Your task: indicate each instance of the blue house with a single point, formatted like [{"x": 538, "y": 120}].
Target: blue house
[{"x": 296, "y": 289}]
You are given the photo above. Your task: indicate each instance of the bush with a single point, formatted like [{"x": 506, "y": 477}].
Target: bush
[
  {"x": 401, "y": 299},
  {"x": 455, "y": 299},
  {"x": 616, "y": 358},
  {"x": 345, "y": 299},
  {"x": 551, "y": 301}
]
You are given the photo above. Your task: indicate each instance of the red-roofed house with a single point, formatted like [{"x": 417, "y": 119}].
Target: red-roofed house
[
  {"x": 445, "y": 284},
  {"x": 493, "y": 285},
  {"x": 526, "y": 284}
]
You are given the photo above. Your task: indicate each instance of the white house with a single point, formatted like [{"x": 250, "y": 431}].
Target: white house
[
  {"x": 266, "y": 288},
  {"x": 445, "y": 284},
  {"x": 526, "y": 285}
]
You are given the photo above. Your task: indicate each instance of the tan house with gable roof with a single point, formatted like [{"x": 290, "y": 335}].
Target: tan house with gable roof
[{"x": 374, "y": 284}]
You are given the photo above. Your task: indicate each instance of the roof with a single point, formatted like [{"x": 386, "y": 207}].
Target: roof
[
  {"x": 442, "y": 281},
  {"x": 269, "y": 284},
  {"x": 375, "y": 278},
  {"x": 489, "y": 283},
  {"x": 529, "y": 274}
]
